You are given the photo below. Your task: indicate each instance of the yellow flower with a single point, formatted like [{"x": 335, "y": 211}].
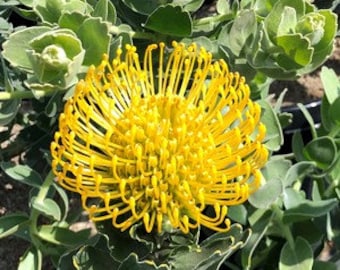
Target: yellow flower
[{"x": 159, "y": 142}]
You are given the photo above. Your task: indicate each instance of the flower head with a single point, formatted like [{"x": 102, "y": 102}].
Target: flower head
[{"x": 160, "y": 143}]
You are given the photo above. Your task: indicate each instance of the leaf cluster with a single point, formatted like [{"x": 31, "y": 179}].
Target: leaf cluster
[{"x": 47, "y": 46}]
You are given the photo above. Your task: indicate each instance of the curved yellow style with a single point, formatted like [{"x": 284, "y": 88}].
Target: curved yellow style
[{"x": 157, "y": 140}]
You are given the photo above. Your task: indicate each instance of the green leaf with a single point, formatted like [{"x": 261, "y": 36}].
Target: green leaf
[
  {"x": 14, "y": 48},
  {"x": 189, "y": 5},
  {"x": 145, "y": 7},
  {"x": 181, "y": 22},
  {"x": 260, "y": 222},
  {"x": 51, "y": 10},
  {"x": 309, "y": 231},
  {"x": 322, "y": 151},
  {"x": 297, "y": 146},
  {"x": 32, "y": 259},
  {"x": 330, "y": 29},
  {"x": 53, "y": 104},
  {"x": 212, "y": 252},
  {"x": 47, "y": 207},
  {"x": 202, "y": 41},
  {"x": 238, "y": 213},
  {"x": 292, "y": 198},
  {"x": 335, "y": 172},
  {"x": 288, "y": 21},
  {"x": 276, "y": 168},
  {"x": 48, "y": 11},
  {"x": 308, "y": 209},
  {"x": 326, "y": 121},
  {"x": 321, "y": 265},
  {"x": 316, "y": 195},
  {"x": 325, "y": 47},
  {"x": 106, "y": 10},
  {"x": 22, "y": 173},
  {"x": 242, "y": 28},
  {"x": 55, "y": 57},
  {"x": 63, "y": 195},
  {"x": 28, "y": 3},
  {"x": 223, "y": 7},
  {"x": 274, "y": 18},
  {"x": 95, "y": 38},
  {"x": 72, "y": 20},
  {"x": 133, "y": 262},
  {"x": 10, "y": 223},
  {"x": 309, "y": 118},
  {"x": 94, "y": 252},
  {"x": 130, "y": 239},
  {"x": 63, "y": 236},
  {"x": 334, "y": 111},
  {"x": 274, "y": 135},
  {"x": 297, "y": 48},
  {"x": 8, "y": 110},
  {"x": 94, "y": 255},
  {"x": 267, "y": 194},
  {"x": 331, "y": 84},
  {"x": 298, "y": 257},
  {"x": 297, "y": 172}
]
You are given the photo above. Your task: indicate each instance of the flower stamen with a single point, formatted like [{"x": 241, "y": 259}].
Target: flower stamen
[{"x": 160, "y": 143}]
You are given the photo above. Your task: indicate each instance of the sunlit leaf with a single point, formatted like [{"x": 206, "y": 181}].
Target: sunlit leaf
[
  {"x": 95, "y": 37},
  {"x": 63, "y": 236},
  {"x": 274, "y": 134},
  {"x": 22, "y": 173},
  {"x": 242, "y": 28},
  {"x": 47, "y": 207},
  {"x": 32, "y": 259},
  {"x": 14, "y": 48},
  {"x": 331, "y": 83},
  {"x": 334, "y": 111},
  {"x": 106, "y": 10},
  {"x": 266, "y": 194}
]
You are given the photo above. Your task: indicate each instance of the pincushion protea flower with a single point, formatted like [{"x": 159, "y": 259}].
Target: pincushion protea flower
[{"x": 160, "y": 143}]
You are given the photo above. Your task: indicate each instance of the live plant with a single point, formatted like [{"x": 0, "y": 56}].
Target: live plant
[{"x": 156, "y": 118}]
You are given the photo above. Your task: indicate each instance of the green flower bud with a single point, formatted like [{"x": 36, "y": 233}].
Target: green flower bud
[
  {"x": 312, "y": 26},
  {"x": 293, "y": 39},
  {"x": 56, "y": 57}
]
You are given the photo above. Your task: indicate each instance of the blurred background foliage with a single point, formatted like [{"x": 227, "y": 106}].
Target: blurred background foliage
[{"x": 47, "y": 46}]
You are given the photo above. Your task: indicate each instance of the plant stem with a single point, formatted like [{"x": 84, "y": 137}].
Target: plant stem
[
  {"x": 284, "y": 228},
  {"x": 137, "y": 35},
  {"x": 35, "y": 213},
  {"x": 45, "y": 187},
  {"x": 213, "y": 19}
]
